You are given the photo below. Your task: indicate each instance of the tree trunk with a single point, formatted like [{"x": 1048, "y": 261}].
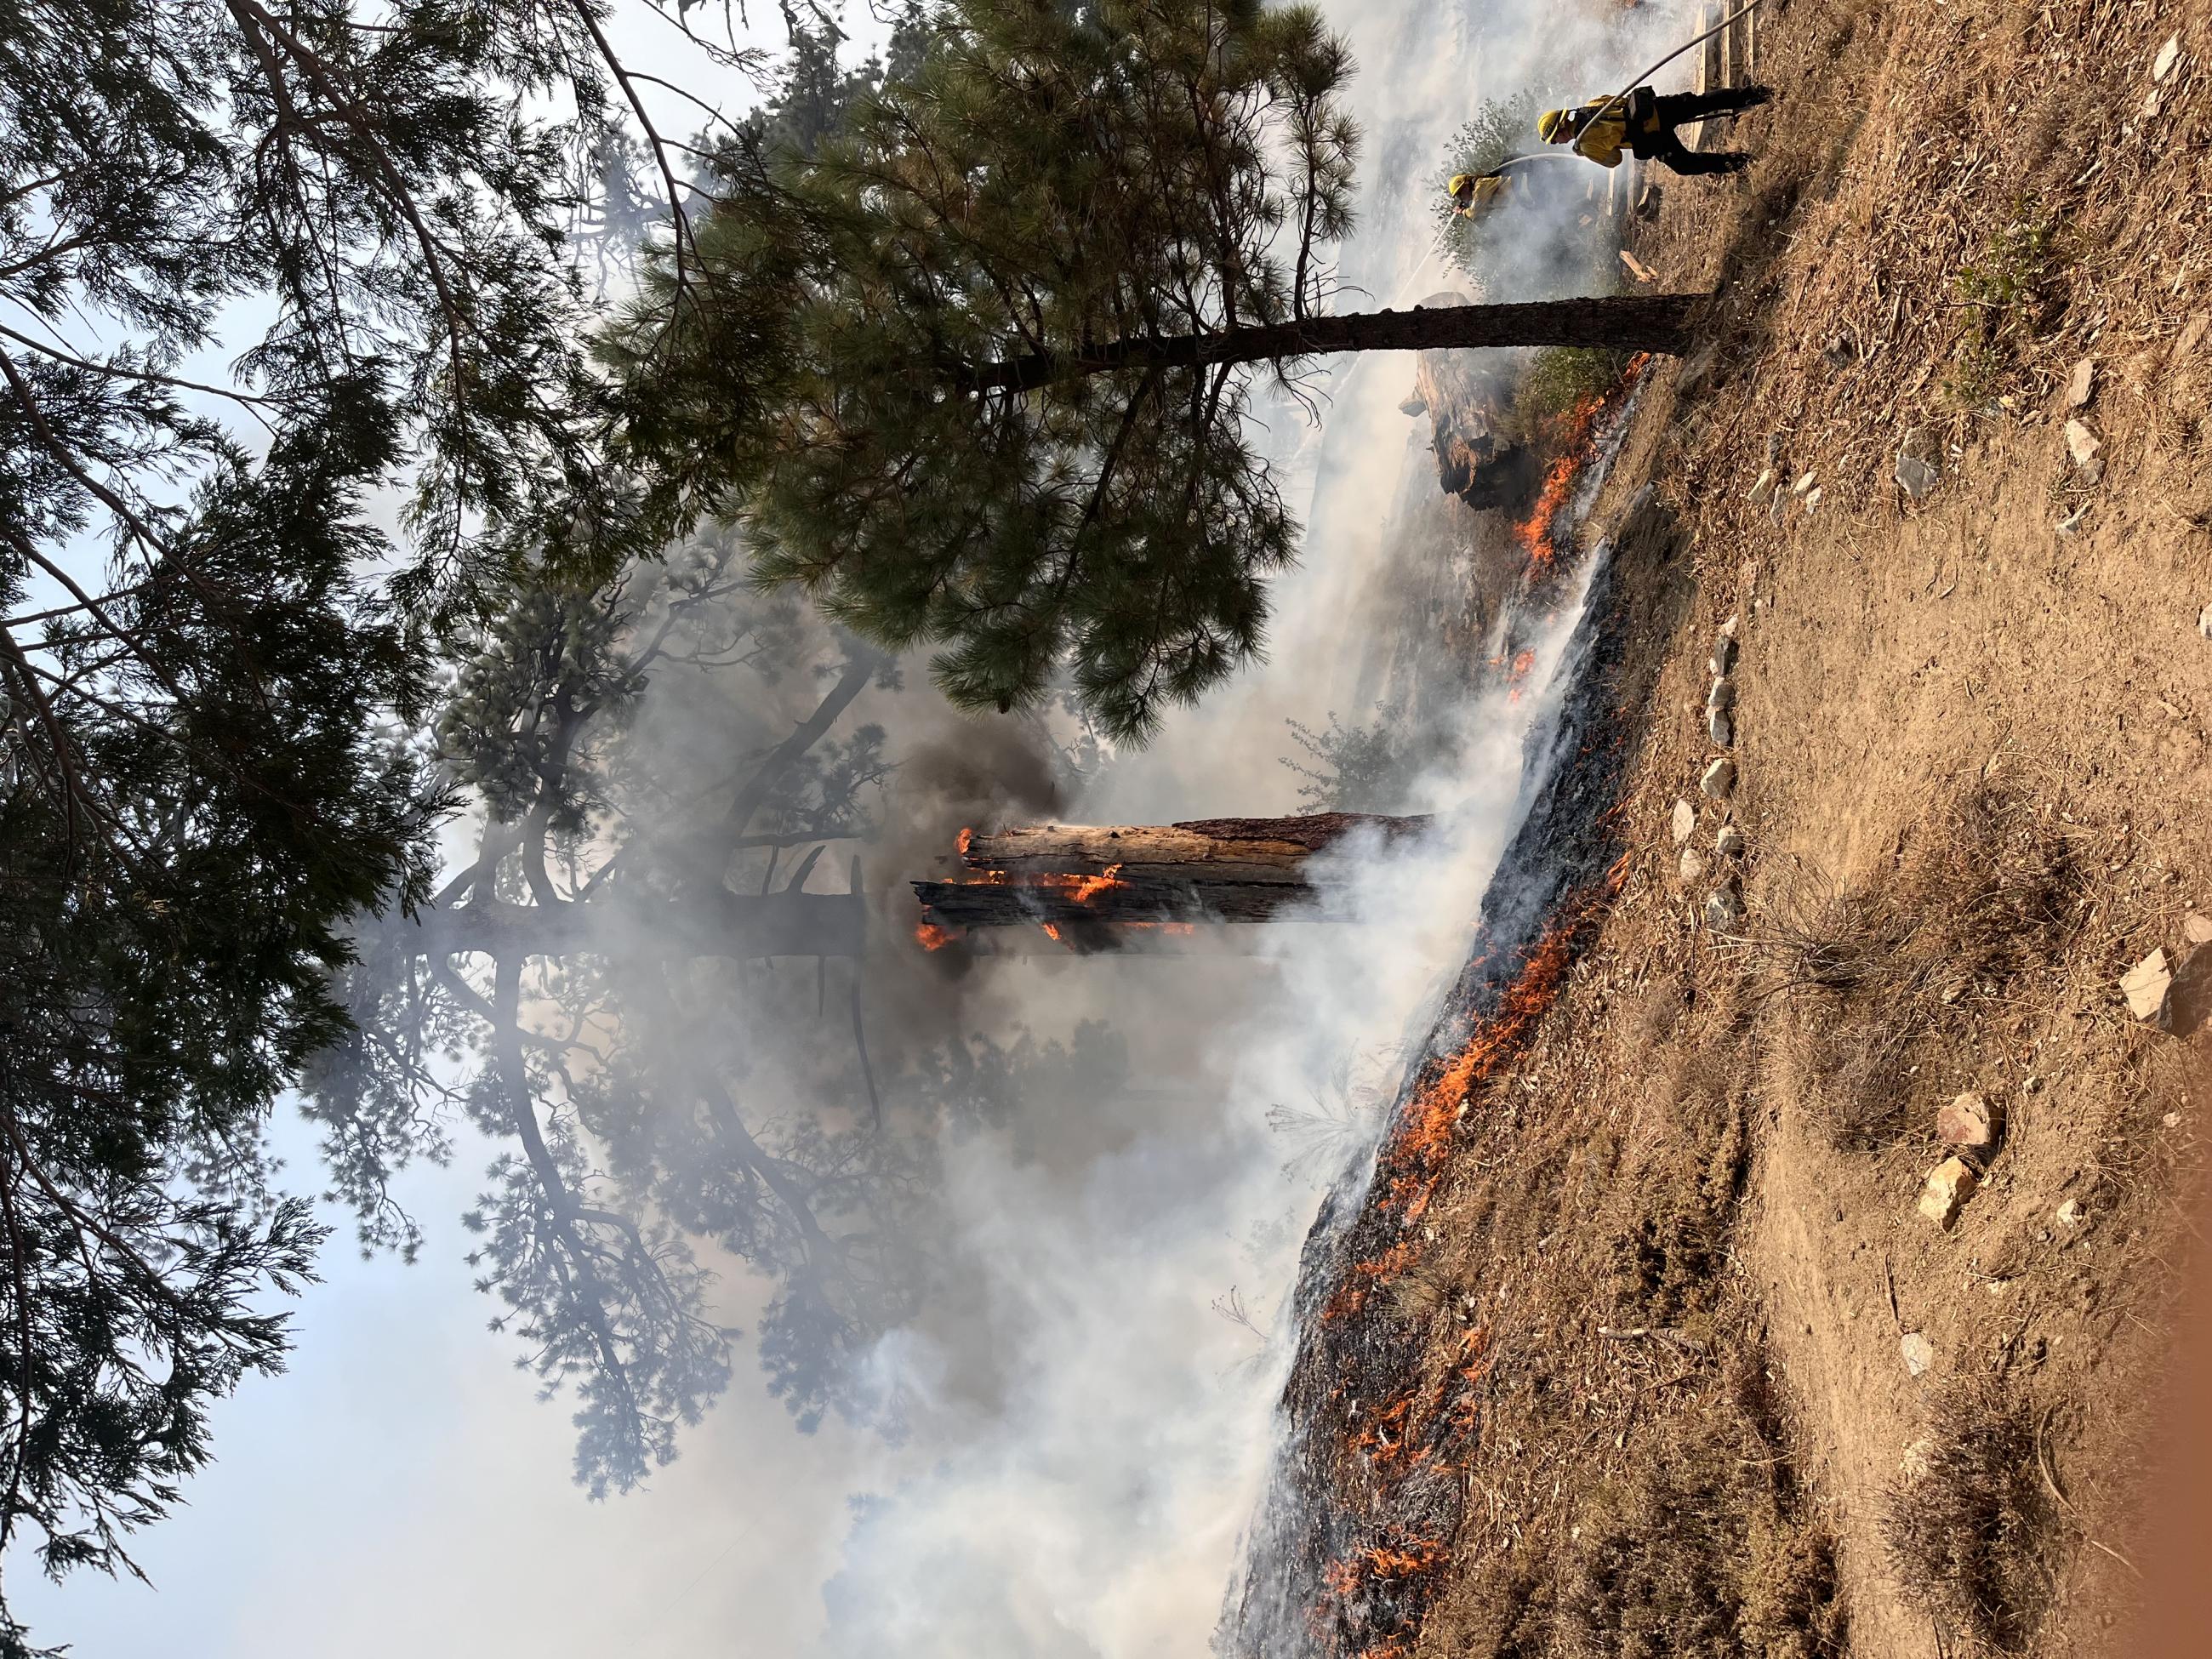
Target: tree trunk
[
  {"x": 1629, "y": 322},
  {"x": 1202, "y": 870},
  {"x": 717, "y": 923}
]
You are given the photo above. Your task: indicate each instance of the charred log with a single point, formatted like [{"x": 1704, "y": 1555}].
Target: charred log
[{"x": 1237, "y": 870}]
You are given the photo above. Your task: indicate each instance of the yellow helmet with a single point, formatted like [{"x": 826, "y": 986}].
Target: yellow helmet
[
  {"x": 1548, "y": 124},
  {"x": 1462, "y": 184}
]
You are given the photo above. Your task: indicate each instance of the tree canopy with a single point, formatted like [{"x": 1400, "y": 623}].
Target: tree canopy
[
  {"x": 977, "y": 372},
  {"x": 262, "y": 268}
]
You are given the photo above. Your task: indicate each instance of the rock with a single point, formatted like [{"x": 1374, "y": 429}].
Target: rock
[
  {"x": 1813, "y": 498},
  {"x": 1696, "y": 371},
  {"x": 1918, "y": 467},
  {"x": 1950, "y": 1184},
  {"x": 2188, "y": 1000},
  {"x": 1774, "y": 449},
  {"x": 1919, "y": 1353},
  {"x": 1777, "y": 510},
  {"x": 1719, "y": 780},
  {"x": 1729, "y": 628},
  {"x": 1730, "y": 843},
  {"x": 2072, "y": 522},
  {"x": 1722, "y": 693},
  {"x": 1804, "y": 485},
  {"x": 2204, "y": 622},
  {"x": 2087, "y": 450},
  {"x": 2196, "y": 929},
  {"x": 1685, "y": 822},
  {"x": 1720, "y": 728},
  {"x": 2145, "y": 985},
  {"x": 2068, "y": 1214},
  {"x": 1691, "y": 866},
  {"x": 1724, "y": 906},
  {"x": 1965, "y": 1123},
  {"x": 1416, "y": 404},
  {"x": 2169, "y": 56},
  {"x": 1723, "y": 660},
  {"x": 2082, "y": 385},
  {"x": 1762, "y": 487}
]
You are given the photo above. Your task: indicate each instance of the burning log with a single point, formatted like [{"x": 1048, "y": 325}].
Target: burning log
[{"x": 1060, "y": 876}]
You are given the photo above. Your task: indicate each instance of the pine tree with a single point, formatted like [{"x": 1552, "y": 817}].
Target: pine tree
[
  {"x": 203, "y": 689},
  {"x": 977, "y": 372}
]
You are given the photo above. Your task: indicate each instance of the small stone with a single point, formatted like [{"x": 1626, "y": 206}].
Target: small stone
[
  {"x": 1919, "y": 1353},
  {"x": 1416, "y": 404},
  {"x": 1918, "y": 465},
  {"x": 1730, "y": 843},
  {"x": 1919, "y": 1458},
  {"x": 1720, "y": 693},
  {"x": 1724, "y": 906},
  {"x": 2204, "y": 622},
  {"x": 2196, "y": 929},
  {"x": 1950, "y": 1184},
  {"x": 1729, "y": 628},
  {"x": 2068, "y": 1214},
  {"x": 2169, "y": 54},
  {"x": 2071, "y": 523},
  {"x": 1965, "y": 1123},
  {"x": 2082, "y": 385},
  {"x": 2145, "y": 985},
  {"x": 2187, "y": 1004},
  {"x": 2087, "y": 450},
  {"x": 1762, "y": 487},
  {"x": 1723, "y": 660},
  {"x": 1719, "y": 779},
  {"x": 1691, "y": 866},
  {"x": 1813, "y": 498},
  {"x": 1720, "y": 728},
  {"x": 1685, "y": 822},
  {"x": 1779, "y": 510},
  {"x": 1804, "y": 485},
  {"x": 1774, "y": 449}
]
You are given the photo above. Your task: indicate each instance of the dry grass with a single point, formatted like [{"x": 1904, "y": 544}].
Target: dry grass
[
  {"x": 1975, "y": 1533},
  {"x": 1702, "y": 1550},
  {"x": 1883, "y": 978}
]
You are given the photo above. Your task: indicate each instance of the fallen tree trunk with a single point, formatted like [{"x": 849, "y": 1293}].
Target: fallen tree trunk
[{"x": 1241, "y": 870}]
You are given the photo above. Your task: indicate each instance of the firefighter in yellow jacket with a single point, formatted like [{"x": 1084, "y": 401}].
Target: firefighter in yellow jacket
[
  {"x": 1643, "y": 124},
  {"x": 1474, "y": 195}
]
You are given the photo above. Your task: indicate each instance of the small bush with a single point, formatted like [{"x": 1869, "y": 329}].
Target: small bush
[
  {"x": 1974, "y": 1535},
  {"x": 2010, "y": 295},
  {"x": 1984, "y": 895},
  {"x": 1559, "y": 380}
]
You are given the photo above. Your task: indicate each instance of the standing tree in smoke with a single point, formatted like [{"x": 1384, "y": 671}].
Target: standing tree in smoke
[
  {"x": 978, "y": 372},
  {"x": 604, "y": 953}
]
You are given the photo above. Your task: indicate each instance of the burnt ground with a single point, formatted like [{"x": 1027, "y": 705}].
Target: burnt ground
[{"x": 1627, "y": 1352}]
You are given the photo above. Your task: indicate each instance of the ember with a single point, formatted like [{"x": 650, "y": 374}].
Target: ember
[
  {"x": 1087, "y": 888},
  {"x": 934, "y": 937}
]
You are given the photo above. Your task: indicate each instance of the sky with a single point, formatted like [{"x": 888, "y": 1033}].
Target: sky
[{"x": 399, "y": 1490}]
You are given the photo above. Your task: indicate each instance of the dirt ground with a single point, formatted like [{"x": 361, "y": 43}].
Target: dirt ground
[{"x": 1741, "y": 1395}]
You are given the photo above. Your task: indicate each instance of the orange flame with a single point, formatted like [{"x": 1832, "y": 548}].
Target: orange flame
[
  {"x": 1051, "y": 930},
  {"x": 1577, "y": 429},
  {"x": 934, "y": 937},
  {"x": 967, "y": 839},
  {"x": 1087, "y": 888}
]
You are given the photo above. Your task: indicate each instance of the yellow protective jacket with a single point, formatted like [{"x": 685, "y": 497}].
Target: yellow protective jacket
[
  {"x": 1488, "y": 192},
  {"x": 1608, "y": 138}
]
